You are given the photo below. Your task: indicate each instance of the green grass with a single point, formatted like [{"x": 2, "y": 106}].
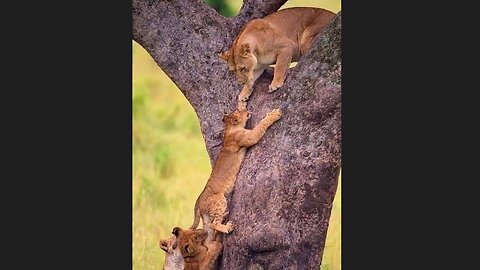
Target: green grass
[
  {"x": 171, "y": 165},
  {"x": 332, "y": 5}
]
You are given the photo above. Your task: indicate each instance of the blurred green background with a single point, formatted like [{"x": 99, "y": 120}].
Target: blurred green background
[{"x": 170, "y": 161}]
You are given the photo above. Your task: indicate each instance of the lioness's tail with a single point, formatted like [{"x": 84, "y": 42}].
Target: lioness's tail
[{"x": 196, "y": 219}]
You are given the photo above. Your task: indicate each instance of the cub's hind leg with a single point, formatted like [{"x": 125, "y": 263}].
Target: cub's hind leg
[
  {"x": 217, "y": 212},
  {"x": 214, "y": 250}
]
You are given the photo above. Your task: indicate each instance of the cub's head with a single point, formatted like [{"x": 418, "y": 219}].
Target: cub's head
[
  {"x": 190, "y": 241},
  {"x": 238, "y": 118},
  {"x": 173, "y": 257},
  {"x": 242, "y": 61}
]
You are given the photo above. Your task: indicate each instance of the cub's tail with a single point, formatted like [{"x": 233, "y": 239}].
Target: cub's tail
[{"x": 196, "y": 219}]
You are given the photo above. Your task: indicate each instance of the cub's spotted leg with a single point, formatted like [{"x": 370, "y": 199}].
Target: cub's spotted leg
[
  {"x": 217, "y": 219},
  {"x": 251, "y": 137}
]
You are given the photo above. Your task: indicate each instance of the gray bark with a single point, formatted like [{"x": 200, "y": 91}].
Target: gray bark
[{"x": 284, "y": 192}]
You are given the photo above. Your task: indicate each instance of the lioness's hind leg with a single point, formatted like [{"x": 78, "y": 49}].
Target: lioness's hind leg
[{"x": 311, "y": 32}]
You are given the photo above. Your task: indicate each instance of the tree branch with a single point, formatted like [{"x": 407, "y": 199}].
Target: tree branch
[{"x": 254, "y": 9}]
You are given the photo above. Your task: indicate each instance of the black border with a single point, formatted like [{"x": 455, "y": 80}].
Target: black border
[
  {"x": 406, "y": 121},
  {"x": 67, "y": 136}
]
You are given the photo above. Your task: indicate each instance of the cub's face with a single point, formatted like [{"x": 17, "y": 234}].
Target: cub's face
[
  {"x": 173, "y": 257},
  {"x": 237, "y": 118},
  {"x": 190, "y": 241}
]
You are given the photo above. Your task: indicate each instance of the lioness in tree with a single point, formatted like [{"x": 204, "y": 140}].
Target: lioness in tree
[
  {"x": 279, "y": 38},
  {"x": 211, "y": 205}
]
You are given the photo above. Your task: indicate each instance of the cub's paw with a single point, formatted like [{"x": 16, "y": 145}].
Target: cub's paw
[
  {"x": 242, "y": 98},
  {"x": 229, "y": 226},
  {"x": 274, "y": 86},
  {"x": 275, "y": 114},
  {"x": 242, "y": 106}
]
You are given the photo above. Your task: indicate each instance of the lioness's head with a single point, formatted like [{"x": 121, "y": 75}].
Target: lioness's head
[
  {"x": 242, "y": 61},
  {"x": 173, "y": 257},
  {"x": 237, "y": 118},
  {"x": 190, "y": 241}
]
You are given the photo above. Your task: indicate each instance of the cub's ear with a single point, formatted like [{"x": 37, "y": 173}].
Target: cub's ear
[
  {"x": 163, "y": 245},
  {"x": 224, "y": 55},
  {"x": 225, "y": 116},
  {"x": 200, "y": 232},
  {"x": 176, "y": 230},
  {"x": 245, "y": 50}
]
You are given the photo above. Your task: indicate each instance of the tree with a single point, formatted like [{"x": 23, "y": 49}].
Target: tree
[{"x": 284, "y": 192}]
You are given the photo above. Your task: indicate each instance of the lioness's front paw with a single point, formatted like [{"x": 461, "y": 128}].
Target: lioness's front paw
[
  {"x": 229, "y": 226},
  {"x": 274, "y": 86},
  {"x": 275, "y": 114}
]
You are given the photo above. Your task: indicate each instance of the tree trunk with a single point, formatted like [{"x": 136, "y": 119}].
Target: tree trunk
[{"x": 284, "y": 192}]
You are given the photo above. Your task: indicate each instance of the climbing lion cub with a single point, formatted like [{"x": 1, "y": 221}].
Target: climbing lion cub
[
  {"x": 211, "y": 205},
  {"x": 279, "y": 38},
  {"x": 196, "y": 254}
]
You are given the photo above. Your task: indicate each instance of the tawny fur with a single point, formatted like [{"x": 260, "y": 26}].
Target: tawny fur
[
  {"x": 196, "y": 254},
  {"x": 211, "y": 205},
  {"x": 173, "y": 257},
  {"x": 279, "y": 38}
]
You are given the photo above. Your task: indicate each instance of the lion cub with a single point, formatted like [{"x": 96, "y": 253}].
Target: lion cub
[
  {"x": 196, "y": 254},
  {"x": 279, "y": 38},
  {"x": 173, "y": 256},
  {"x": 211, "y": 205}
]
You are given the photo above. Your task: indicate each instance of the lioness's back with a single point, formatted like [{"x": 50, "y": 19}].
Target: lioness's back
[{"x": 293, "y": 20}]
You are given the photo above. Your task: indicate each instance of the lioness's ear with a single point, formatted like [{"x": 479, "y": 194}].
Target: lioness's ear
[
  {"x": 245, "y": 49},
  {"x": 224, "y": 55}
]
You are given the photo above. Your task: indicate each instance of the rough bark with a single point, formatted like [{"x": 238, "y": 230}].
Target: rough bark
[{"x": 284, "y": 192}]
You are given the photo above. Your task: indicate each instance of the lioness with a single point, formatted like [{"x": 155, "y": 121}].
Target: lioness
[
  {"x": 196, "y": 254},
  {"x": 211, "y": 205},
  {"x": 173, "y": 256},
  {"x": 279, "y": 38}
]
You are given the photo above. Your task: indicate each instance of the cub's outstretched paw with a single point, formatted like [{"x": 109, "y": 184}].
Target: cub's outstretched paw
[
  {"x": 275, "y": 114},
  {"x": 229, "y": 226},
  {"x": 274, "y": 86},
  {"x": 242, "y": 106},
  {"x": 242, "y": 98}
]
